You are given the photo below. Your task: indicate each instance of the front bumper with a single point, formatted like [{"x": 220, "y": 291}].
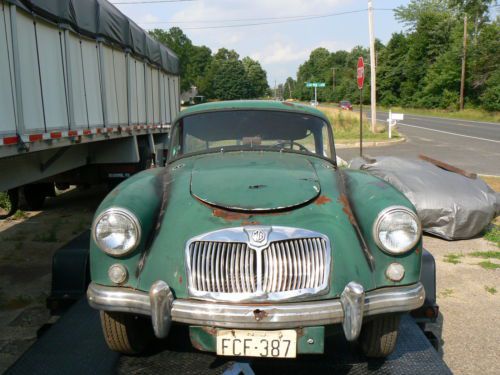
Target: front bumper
[{"x": 349, "y": 310}]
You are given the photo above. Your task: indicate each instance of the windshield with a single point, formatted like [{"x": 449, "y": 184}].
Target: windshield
[{"x": 251, "y": 129}]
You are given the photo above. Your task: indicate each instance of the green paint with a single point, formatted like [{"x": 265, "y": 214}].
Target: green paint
[
  {"x": 262, "y": 105},
  {"x": 276, "y": 180},
  {"x": 284, "y": 179},
  {"x": 311, "y": 340}
]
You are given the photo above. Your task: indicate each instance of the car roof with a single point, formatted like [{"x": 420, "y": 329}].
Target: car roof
[{"x": 264, "y": 105}]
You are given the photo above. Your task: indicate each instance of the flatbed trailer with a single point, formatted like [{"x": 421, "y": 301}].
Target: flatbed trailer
[{"x": 75, "y": 343}]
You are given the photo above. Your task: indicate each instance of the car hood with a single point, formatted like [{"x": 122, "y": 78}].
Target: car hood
[{"x": 254, "y": 181}]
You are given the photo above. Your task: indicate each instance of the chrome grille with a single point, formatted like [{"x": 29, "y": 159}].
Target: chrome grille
[
  {"x": 222, "y": 267},
  {"x": 228, "y": 265},
  {"x": 294, "y": 265}
]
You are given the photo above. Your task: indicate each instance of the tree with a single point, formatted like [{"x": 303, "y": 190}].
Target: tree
[
  {"x": 178, "y": 42},
  {"x": 256, "y": 78}
]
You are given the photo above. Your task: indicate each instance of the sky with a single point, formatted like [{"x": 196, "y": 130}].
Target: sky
[{"x": 279, "y": 43}]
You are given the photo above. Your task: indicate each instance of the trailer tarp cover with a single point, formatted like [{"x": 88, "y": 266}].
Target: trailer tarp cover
[
  {"x": 448, "y": 204},
  {"x": 101, "y": 19}
]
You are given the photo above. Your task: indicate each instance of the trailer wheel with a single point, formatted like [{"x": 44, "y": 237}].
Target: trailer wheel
[
  {"x": 378, "y": 336},
  {"x": 126, "y": 333}
]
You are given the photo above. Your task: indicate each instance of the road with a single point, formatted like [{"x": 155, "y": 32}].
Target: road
[{"x": 470, "y": 145}]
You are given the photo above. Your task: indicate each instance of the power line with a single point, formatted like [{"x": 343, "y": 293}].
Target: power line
[
  {"x": 277, "y": 20},
  {"x": 149, "y": 2}
]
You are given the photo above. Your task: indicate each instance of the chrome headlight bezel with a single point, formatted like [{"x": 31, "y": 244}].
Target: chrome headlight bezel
[
  {"x": 129, "y": 216},
  {"x": 382, "y": 216}
]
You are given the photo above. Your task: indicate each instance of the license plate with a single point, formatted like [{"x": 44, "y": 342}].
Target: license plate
[{"x": 274, "y": 344}]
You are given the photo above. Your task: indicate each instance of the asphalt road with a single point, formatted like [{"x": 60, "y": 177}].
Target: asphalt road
[{"x": 470, "y": 145}]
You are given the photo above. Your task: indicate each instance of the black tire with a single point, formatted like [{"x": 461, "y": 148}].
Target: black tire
[
  {"x": 34, "y": 196},
  {"x": 378, "y": 336},
  {"x": 126, "y": 333}
]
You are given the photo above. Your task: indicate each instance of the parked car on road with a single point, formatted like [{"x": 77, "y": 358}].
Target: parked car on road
[
  {"x": 345, "y": 104},
  {"x": 254, "y": 238}
]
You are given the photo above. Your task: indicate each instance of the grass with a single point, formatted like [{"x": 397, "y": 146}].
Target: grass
[
  {"x": 489, "y": 265},
  {"x": 452, "y": 258},
  {"x": 466, "y": 114},
  {"x": 4, "y": 201},
  {"x": 492, "y": 234},
  {"x": 486, "y": 254},
  {"x": 493, "y": 181},
  {"x": 490, "y": 289},
  {"x": 447, "y": 293},
  {"x": 346, "y": 126},
  {"x": 18, "y": 215}
]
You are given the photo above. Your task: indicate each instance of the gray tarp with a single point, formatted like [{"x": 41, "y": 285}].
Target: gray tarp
[
  {"x": 448, "y": 204},
  {"x": 101, "y": 19}
]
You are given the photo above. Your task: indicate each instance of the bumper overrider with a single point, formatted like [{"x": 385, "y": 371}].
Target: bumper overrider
[{"x": 353, "y": 305}]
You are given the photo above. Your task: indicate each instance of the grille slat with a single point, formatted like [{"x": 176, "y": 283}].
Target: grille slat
[{"x": 232, "y": 268}]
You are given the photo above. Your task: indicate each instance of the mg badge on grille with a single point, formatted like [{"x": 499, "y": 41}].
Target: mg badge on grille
[{"x": 257, "y": 237}]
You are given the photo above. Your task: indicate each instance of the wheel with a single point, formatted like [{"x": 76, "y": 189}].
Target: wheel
[
  {"x": 378, "y": 336},
  {"x": 126, "y": 333}
]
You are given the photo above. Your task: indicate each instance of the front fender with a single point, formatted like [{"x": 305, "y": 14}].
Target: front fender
[
  {"x": 142, "y": 194},
  {"x": 368, "y": 195}
]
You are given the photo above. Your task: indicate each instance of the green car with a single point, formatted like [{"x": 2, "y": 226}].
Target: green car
[{"x": 253, "y": 237}]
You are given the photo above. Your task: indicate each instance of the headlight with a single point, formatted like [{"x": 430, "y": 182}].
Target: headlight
[
  {"x": 396, "y": 230},
  {"x": 116, "y": 231}
]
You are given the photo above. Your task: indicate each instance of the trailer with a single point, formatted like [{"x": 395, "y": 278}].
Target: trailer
[{"x": 86, "y": 96}]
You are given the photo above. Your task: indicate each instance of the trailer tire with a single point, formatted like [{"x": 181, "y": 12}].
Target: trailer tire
[
  {"x": 378, "y": 336},
  {"x": 126, "y": 333}
]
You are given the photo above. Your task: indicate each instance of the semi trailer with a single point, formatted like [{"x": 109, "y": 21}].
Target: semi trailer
[{"x": 86, "y": 96}]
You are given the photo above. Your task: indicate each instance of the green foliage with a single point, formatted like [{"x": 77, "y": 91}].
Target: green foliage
[
  {"x": 5, "y": 201},
  {"x": 493, "y": 234},
  {"x": 452, "y": 258},
  {"x": 420, "y": 67},
  {"x": 489, "y": 265},
  {"x": 490, "y": 289},
  {"x": 486, "y": 254},
  {"x": 221, "y": 76}
]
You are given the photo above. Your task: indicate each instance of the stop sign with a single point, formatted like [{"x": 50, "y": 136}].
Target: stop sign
[{"x": 361, "y": 72}]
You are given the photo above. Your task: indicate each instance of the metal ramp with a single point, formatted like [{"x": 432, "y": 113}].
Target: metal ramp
[{"x": 75, "y": 345}]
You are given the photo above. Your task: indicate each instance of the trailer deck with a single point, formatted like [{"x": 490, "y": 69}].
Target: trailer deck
[{"x": 75, "y": 344}]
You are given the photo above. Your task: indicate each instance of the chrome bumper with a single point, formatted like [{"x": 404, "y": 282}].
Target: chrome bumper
[{"x": 349, "y": 310}]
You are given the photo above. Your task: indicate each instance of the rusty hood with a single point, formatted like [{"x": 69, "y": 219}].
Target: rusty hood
[{"x": 254, "y": 181}]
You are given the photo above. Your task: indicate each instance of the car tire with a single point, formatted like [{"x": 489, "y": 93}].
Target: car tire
[
  {"x": 378, "y": 336},
  {"x": 126, "y": 333}
]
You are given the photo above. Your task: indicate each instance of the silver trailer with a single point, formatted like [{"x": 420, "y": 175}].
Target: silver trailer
[{"x": 85, "y": 94}]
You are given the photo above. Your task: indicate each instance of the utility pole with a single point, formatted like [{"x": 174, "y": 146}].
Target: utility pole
[
  {"x": 464, "y": 55},
  {"x": 275, "y": 91},
  {"x": 373, "y": 83}
]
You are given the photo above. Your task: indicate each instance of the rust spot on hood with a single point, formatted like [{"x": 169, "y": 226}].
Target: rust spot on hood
[
  {"x": 322, "y": 199},
  {"x": 230, "y": 215},
  {"x": 346, "y": 207},
  {"x": 245, "y": 222}
]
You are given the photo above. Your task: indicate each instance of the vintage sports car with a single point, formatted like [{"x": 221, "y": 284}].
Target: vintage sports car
[{"x": 254, "y": 238}]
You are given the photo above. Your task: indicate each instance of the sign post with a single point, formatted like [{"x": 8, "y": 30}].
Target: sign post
[
  {"x": 361, "y": 79},
  {"x": 315, "y": 85}
]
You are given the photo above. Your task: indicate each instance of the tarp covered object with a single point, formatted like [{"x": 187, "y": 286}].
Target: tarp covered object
[
  {"x": 101, "y": 19},
  {"x": 449, "y": 205}
]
